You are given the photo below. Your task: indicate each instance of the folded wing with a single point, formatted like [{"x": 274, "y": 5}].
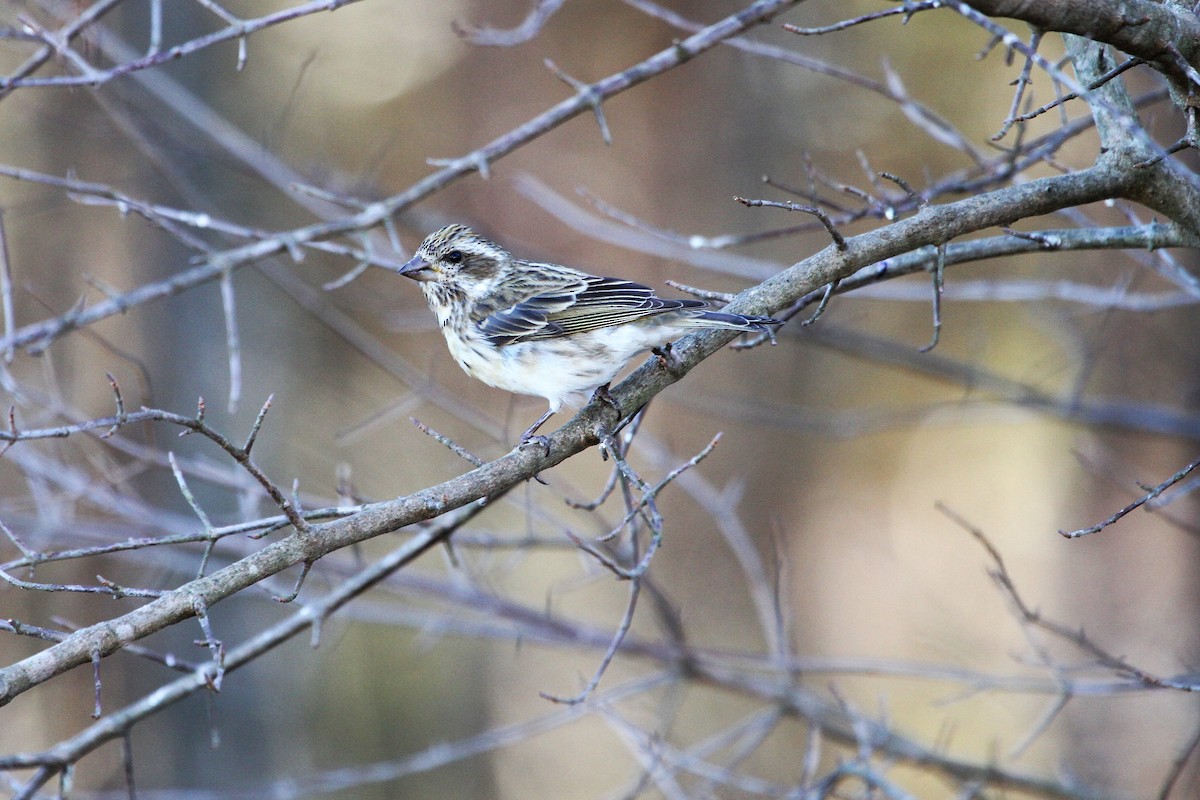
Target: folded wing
[{"x": 591, "y": 302}]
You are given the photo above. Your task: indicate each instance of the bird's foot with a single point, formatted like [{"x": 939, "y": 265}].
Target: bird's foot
[
  {"x": 528, "y": 436},
  {"x": 604, "y": 396},
  {"x": 531, "y": 438},
  {"x": 667, "y": 357}
]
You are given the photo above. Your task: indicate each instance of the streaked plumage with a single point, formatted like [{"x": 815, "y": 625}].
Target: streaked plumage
[{"x": 544, "y": 329}]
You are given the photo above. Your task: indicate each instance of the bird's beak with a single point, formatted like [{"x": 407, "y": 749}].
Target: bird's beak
[{"x": 418, "y": 269}]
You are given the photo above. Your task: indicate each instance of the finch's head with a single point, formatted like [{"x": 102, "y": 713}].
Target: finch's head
[{"x": 456, "y": 255}]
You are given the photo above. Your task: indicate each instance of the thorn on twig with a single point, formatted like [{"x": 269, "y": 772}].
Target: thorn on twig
[
  {"x": 201, "y": 410},
  {"x": 265, "y": 532},
  {"x": 296, "y": 504},
  {"x": 337, "y": 283},
  {"x": 477, "y": 161},
  {"x": 12, "y": 430},
  {"x": 1183, "y": 64},
  {"x": 989, "y": 47},
  {"x": 262, "y": 413},
  {"x": 120, "y": 407},
  {"x": 1044, "y": 241},
  {"x": 347, "y": 495},
  {"x": 117, "y": 591},
  {"x": 287, "y": 598},
  {"x": 1022, "y": 81},
  {"x": 588, "y": 94},
  {"x": 830, "y": 288},
  {"x": 30, "y": 555}
]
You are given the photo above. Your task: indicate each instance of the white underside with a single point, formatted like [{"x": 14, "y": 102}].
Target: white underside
[{"x": 565, "y": 370}]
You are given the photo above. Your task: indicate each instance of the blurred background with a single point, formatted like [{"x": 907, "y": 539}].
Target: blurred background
[{"x": 825, "y": 526}]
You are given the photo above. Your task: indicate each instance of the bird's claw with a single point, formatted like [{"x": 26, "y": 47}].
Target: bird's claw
[
  {"x": 542, "y": 441},
  {"x": 604, "y": 396},
  {"x": 666, "y": 357}
]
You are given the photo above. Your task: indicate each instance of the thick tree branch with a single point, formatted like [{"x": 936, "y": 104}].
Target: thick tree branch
[
  {"x": 1154, "y": 32},
  {"x": 1154, "y": 181}
]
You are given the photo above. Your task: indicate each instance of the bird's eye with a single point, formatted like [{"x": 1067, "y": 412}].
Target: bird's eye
[{"x": 454, "y": 256}]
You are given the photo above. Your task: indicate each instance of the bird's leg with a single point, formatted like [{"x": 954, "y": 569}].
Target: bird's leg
[{"x": 528, "y": 435}]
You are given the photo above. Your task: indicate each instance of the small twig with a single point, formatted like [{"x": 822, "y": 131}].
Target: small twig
[
  {"x": 1022, "y": 81},
  {"x": 337, "y": 283},
  {"x": 1151, "y": 493},
  {"x": 939, "y": 285},
  {"x": 31, "y": 556},
  {"x": 447, "y": 442},
  {"x": 646, "y": 508},
  {"x": 916, "y": 196},
  {"x": 703, "y": 294},
  {"x": 1064, "y": 98},
  {"x": 234, "y": 22},
  {"x": 830, "y": 288},
  {"x": 811, "y": 193},
  {"x": 198, "y": 511},
  {"x": 610, "y": 652},
  {"x": 907, "y": 9},
  {"x": 60, "y": 45},
  {"x": 839, "y": 241},
  {"x": 627, "y": 431},
  {"x": 6, "y": 293},
  {"x": 127, "y": 762},
  {"x": 107, "y": 587},
  {"x": 232, "y": 339},
  {"x": 511, "y": 37},
  {"x": 605, "y": 493},
  {"x": 1034, "y": 618},
  {"x": 215, "y": 647},
  {"x": 97, "y": 709},
  {"x": 939, "y": 269}
]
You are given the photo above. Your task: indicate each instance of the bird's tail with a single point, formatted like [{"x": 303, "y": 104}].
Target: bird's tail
[{"x": 740, "y": 322}]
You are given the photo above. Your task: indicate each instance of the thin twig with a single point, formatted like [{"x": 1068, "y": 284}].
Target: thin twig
[{"x": 1151, "y": 493}]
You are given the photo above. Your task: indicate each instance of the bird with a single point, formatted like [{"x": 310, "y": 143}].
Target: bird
[{"x": 544, "y": 329}]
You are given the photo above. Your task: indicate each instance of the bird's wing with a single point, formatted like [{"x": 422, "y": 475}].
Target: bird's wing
[{"x": 592, "y": 302}]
